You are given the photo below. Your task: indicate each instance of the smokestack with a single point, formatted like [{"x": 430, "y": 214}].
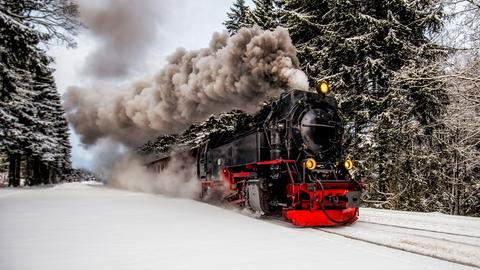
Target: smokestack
[{"x": 234, "y": 72}]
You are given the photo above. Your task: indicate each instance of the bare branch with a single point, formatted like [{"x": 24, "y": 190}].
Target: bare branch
[{"x": 55, "y": 20}]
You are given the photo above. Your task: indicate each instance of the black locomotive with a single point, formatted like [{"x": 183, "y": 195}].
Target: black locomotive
[{"x": 290, "y": 163}]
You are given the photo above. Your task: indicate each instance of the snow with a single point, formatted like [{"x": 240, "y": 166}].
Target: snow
[
  {"x": 430, "y": 221},
  {"x": 89, "y": 226},
  {"x": 452, "y": 238}
]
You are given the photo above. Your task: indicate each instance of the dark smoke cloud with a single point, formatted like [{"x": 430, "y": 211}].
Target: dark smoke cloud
[
  {"x": 125, "y": 30},
  {"x": 233, "y": 72}
]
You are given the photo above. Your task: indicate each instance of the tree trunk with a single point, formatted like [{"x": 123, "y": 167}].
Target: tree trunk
[
  {"x": 28, "y": 171},
  {"x": 36, "y": 176},
  {"x": 382, "y": 179},
  {"x": 14, "y": 170},
  {"x": 456, "y": 194},
  {"x": 44, "y": 172},
  {"x": 53, "y": 176},
  {"x": 18, "y": 167}
]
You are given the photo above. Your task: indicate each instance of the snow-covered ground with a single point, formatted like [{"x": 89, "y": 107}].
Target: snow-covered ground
[
  {"x": 85, "y": 226},
  {"x": 452, "y": 238}
]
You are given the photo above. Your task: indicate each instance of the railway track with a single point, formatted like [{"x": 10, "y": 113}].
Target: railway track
[
  {"x": 452, "y": 247},
  {"x": 420, "y": 229},
  {"x": 462, "y": 249},
  {"x": 467, "y": 262}
]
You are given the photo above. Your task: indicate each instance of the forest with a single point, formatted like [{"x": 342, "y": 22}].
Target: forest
[
  {"x": 34, "y": 134},
  {"x": 406, "y": 75}
]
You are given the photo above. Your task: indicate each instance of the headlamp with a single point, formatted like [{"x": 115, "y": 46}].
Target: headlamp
[
  {"x": 323, "y": 87},
  {"x": 348, "y": 164},
  {"x": 310, "y": 164}
]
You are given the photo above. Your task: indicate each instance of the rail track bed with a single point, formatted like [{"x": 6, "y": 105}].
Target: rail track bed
[{"x": 449, "y": 238}]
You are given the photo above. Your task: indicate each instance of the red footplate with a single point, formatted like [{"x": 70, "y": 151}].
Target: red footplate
[{"x": 308, "y": 218}]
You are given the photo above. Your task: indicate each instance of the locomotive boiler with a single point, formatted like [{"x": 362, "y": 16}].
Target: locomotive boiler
[{"x": 288, "y": 164}]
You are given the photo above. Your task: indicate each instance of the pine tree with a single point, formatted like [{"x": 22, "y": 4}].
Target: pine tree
[
  {"x": 16, "y": 100},
  {"x": 265, "y": 14},
  {"x": 53, "y": 125},
  {"x": 32, "y": 126},
  {"x": 238, "y": 17}
]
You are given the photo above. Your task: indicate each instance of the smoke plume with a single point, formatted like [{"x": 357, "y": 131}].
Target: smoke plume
[
  {"x": 177, "y": 179},
  {"x": 232, "y": 73},
  {"x": 125, "y": 29}
]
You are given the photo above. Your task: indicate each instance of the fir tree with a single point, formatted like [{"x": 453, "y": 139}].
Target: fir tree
[
  {"x": 265, "y": 14},
  {"x": 53, "y": 125},
  {"x": 238, "y": 17},
  {"x": 16, "y": 100},
  {"x": 33, "y": 126}
]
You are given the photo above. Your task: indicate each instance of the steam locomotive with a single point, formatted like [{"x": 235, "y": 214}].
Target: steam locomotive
[{"x": 289, "y": 164}]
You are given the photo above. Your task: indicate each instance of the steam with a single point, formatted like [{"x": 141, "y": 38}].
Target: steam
[
  {"x": 178, "y": 179},
  {"x": 124, "y": 29},
  {"x": 234, "y": 72}
]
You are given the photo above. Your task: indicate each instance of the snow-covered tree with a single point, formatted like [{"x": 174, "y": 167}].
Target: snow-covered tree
[
  {"x": 405, "y": 152},
  {"x": 460, "y": 135},
  {"x": 461, "y": 141},
  {"x": 53, "y": 127},
  {"x": 32, "y": 125},
  {"x": 238, "y": 17},
  {"x": 17, "y": 109},
  {"x": 265, "y": 14},
  {"x": 81, "y": 175},
  {"x": 52, "y": 20}
]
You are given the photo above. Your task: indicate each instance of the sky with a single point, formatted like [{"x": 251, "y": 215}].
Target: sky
[{"x": 182, "y": 23}]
